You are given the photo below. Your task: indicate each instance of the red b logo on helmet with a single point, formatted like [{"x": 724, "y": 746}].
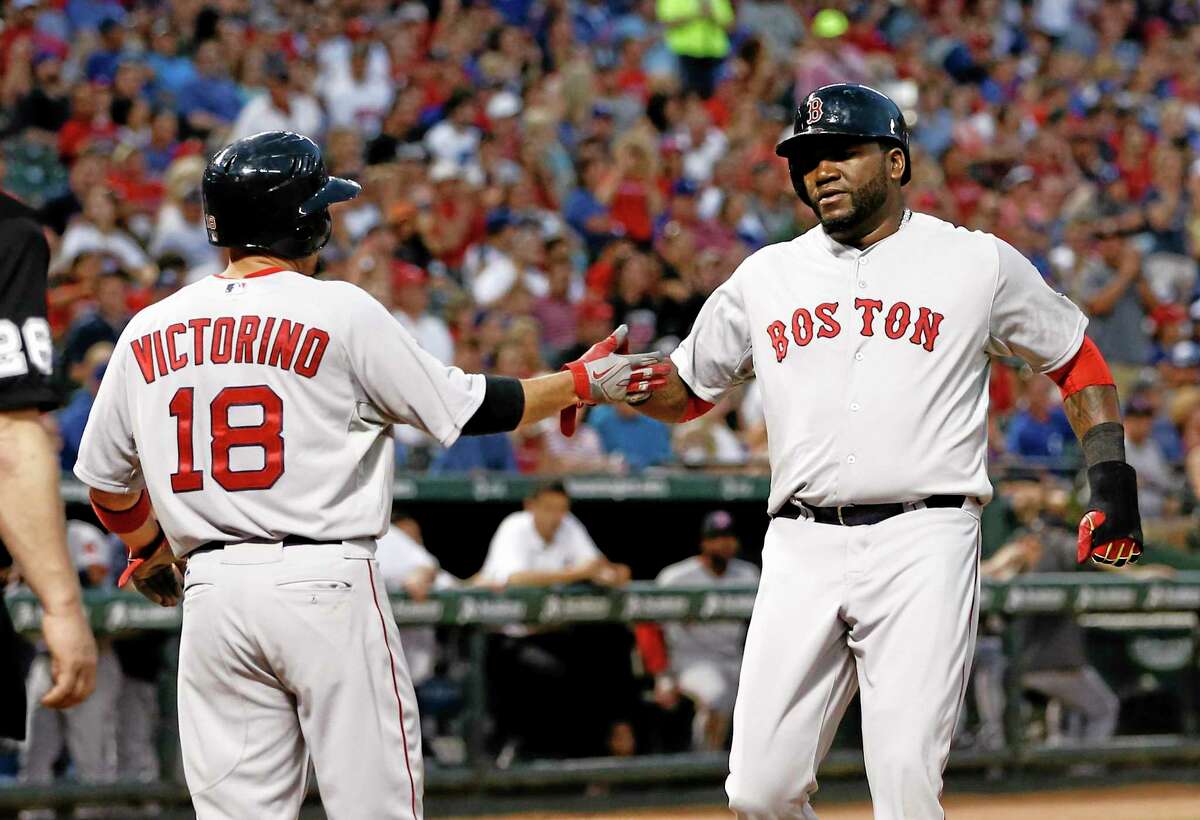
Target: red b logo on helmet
[{"x": 814, "y": 110}]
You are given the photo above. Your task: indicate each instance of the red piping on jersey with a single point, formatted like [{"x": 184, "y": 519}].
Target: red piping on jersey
[
  {"x": 395, "y": 688},
  {"x": 253, "y": 274}
]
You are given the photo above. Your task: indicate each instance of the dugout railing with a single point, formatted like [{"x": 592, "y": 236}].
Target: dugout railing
[{"x": 1168, "y": 607}]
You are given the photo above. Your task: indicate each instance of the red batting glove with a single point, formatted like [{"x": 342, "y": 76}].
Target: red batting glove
[
  {"x": 1118, "y": 553},
  {"x": 618, "y": 342}
]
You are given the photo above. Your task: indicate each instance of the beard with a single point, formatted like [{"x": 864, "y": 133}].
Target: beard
[
  {"x": 718, "y": 564},
  {"x": 863, "y": 203}
]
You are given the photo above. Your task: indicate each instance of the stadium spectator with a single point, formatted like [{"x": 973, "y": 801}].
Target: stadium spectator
[
  {"x": 1053, "y": 661},
  {"x": 640, "y": 441},
  {"x": 410, "y": 301},
  {"x": 1040, "y": 428},
  {"x": 96, "y": 230},
  {"x": 406, "y": 566},
  {"x": 73, "y": 418},
  {"x": 1157, "y": 482},
  {"x": 283, "y": 107},
  {"x": 210, "y": 100},
  {"x": 104, "y": 323},
  {"x": 87, "y": 731},
  {"x": 696, "y": 33},
  {"x": 540, "y": 675},
  {"x": 702, "y": 661}
]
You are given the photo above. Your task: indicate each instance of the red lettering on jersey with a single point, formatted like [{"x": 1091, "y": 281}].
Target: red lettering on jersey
[
  {"x": 174, "y": 358},
  {"x": 284, "y": 346},
  {"x": 264, "y": 341},
  {"x": 779, "y": 340},
  {"x": 802, "y": 326},
  {"x": 198, "y": 326},
  {"x": 159, "y": 356},
  {"x": 830, "y": 326},
  {"x": 141, "y": 352},
  {"x": 925, "y": 330},
  {"x": 868, "y": 307},
  {"x": 222, "y": 341},
  {"x": 244, "y": 348},
  {"x": 897, "y": 320},
  {"x": 311, "y": 352}
]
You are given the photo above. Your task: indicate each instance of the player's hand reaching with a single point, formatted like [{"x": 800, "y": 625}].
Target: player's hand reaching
[
  {"x": 155, "y": 573},
  {"x": 608, "y": 373},
  {"x": 1111, "y": 531}
]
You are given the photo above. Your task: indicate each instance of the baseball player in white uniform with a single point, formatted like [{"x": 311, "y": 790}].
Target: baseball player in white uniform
[
  {"x": 244, "y": 424},
  {"x": 870, "y": 338},
  {"x": 704, "y": 659}
]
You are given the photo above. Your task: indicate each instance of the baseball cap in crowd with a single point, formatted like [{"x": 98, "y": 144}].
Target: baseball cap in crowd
[
  {"x": 684, "y": 187},
  {"x": 406, "y": 273},
  {"x": 503, "y": 105},
  {"x": 1139, "y": 405},
  {"x": 716, "y": 524}
]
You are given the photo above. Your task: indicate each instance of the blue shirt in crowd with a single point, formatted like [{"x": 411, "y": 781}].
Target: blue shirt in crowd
[
  {"x": 1028, "y": 436},
  {"x": 473, "y": 453},
  {"x": 642, "y": 441}
]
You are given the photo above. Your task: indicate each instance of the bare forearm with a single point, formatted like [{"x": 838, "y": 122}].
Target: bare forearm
[
  {"x": 546, "y": 395},
  {"x": 1091, "y": 406},
  {"x": 31, "y": 512},
  {"x": 545, "y": 578},
  {"x": 668, "y": 404}
]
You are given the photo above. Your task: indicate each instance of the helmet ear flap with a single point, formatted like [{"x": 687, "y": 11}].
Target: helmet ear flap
[{"x": 798, "y": 180}]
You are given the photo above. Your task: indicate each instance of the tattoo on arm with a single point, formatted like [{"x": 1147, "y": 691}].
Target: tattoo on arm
[
  {"x": 668, "y": 403},
  {"x": 1091, "y": 406}
]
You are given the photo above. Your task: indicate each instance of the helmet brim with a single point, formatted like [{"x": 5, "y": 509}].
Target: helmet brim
[
  {"x": 335, "y": 190},
  {"x": 796, "y": 144}
]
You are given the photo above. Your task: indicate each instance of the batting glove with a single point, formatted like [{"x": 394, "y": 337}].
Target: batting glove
[
  {"x": 1111, "y": 532},
  {"x": 607, "y": 373}
]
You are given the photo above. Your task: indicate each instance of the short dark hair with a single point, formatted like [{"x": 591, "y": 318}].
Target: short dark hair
[{"x": 546, "y": 487}]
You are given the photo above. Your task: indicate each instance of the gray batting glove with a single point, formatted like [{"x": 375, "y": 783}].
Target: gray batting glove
[{"x": 618, "y": 377}]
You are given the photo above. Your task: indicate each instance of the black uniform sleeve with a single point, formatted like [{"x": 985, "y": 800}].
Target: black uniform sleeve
[{"x": 26, "y": 353}]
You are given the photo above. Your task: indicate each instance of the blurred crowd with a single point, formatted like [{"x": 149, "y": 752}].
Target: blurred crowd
[{"x": 536, "y": 172}]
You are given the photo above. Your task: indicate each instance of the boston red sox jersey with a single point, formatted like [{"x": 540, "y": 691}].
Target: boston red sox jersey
[
  {"x": 262, "y": 407},
  {"x": 873, "y": 364}
]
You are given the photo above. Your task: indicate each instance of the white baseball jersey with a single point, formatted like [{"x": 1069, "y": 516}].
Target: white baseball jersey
[
  {"x": 707, "y": 640},
  {"x": 873, "y": 363},
  {"x": 262, "y": 407}
]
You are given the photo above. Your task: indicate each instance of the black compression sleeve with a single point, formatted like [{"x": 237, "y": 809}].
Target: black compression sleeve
[{"x": 501, "y": 410}]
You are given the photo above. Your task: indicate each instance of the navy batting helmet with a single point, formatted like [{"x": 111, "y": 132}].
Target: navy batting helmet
[
  {"x": 844, "y": 110},
  {"x": 270, "y": 191}
]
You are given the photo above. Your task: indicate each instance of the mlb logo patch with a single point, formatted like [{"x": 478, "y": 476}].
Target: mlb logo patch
[{"x": 235, "y": 288}]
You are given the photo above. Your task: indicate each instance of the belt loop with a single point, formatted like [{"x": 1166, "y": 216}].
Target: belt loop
[{"x": 839, "y": 512}]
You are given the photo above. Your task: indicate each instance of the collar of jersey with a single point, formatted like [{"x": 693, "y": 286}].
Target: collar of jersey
[
  {"x": 253, "y": 274},
  {"x": 848, "y": 252}
]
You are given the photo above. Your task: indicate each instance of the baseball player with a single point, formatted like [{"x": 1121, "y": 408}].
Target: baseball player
[
  {"x": 870, "y": 338},
  {"x": 244, "y": 423},
  {"x": 701, "y": 660},
  {"x": 31, "y": 517},
  {"x": 88, "y": 730}
]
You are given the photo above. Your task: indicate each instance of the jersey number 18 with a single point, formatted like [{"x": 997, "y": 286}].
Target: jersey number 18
[{"x": 268, "y": 435}]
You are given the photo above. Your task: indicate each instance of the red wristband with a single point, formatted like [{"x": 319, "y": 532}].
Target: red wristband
[
  {"x": 579, "y": 374},
  {"x": 124, "y": 521}
]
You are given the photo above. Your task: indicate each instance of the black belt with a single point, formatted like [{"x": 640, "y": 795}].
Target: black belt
[
  {"x": 856, "y": 515},
  {"x": 287, "y": 541}
]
